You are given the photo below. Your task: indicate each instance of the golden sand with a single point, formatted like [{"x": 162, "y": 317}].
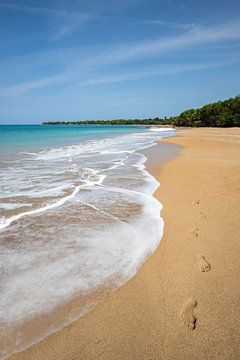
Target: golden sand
[{"x": 184, "y": 303}]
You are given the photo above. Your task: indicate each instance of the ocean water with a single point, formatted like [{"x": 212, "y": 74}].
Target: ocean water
[{"x": 77, "y": 220}]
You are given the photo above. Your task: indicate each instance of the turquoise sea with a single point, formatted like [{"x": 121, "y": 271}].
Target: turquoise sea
[
  {"x": 27, "y": 137},
  {"x": 77, "y": 218}
]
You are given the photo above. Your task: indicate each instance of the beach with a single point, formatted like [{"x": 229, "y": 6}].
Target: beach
[{"x": 184, "y": 301}]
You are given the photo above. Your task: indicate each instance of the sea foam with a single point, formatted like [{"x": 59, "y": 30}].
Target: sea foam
[{"x": 93, "y": 221}]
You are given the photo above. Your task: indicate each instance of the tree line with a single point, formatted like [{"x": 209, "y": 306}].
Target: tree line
[{"x": 218, "y": 114}]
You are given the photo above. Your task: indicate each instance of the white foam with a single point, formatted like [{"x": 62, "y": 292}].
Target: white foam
[
  {"x": 159, "y": 129},
  {"x": 6, "y": 222},
  {"x": 12, "y": 206},
  {"x": 51, "y": 259}
]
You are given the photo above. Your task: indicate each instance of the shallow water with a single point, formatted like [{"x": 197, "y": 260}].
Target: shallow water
[{"x": 76, "y": 222}]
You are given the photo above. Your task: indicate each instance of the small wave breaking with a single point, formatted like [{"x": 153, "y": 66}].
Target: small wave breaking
[{"x": 82, "y": 216}]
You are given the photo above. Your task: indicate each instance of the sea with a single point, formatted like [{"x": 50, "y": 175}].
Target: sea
[{"x": 77, "y": 220}]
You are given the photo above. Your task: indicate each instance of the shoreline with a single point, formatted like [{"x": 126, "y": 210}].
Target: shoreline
[
  {"x": 142, "y": 319},
  {"x": 35, "y": 330}
]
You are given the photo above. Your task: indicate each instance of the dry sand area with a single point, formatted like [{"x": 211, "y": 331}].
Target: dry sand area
[{"x": 184, "y": 303}]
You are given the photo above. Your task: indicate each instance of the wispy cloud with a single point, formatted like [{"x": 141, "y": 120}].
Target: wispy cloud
[
  {"x": 152, "y": 21},
  {"x": 36, "y": 9},
  {"x": 69, "y": 20},
  {"x": 25, "y": 87},
  {"x": 72, "y": 20},
  {"x": 162, "y": 70},
  {"x": 79, "y": 80},
  {"x": 82, "y": 70},
  {"x": 175, "y": 25},
  {"x": 193, "y": 38}
]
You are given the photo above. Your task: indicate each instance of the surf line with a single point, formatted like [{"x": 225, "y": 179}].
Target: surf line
[{"x": 6, "y": 222}]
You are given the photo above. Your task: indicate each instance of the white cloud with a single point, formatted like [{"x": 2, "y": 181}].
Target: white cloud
[
  {"x": 36, "y": 9},
  {"x": 162, "y": 70},
  {"x": 193, "y": 38},
  {"x": 72, "y": 20},
  {"x": 21, "y": 89},
  {"x": 82, "y": 66},
  {"x": 69, "y": 21},
  {"x": 148, "y": 21},
  {"x": 79, "y": 81}
]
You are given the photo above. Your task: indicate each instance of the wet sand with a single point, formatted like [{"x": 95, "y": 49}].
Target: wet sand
[{"x": 184, "y": 301}]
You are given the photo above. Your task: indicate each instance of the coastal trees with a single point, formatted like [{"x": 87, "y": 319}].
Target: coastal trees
[{"x": 219, "y": 114}]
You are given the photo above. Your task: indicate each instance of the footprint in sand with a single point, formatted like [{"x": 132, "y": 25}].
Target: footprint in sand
[
  {"x": 203, "y": 264},
  {"x": 186, "y": 314},
  {"x": 195, "y": 232}
]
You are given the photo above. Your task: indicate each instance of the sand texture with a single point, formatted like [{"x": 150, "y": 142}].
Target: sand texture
[{"x": 184, "y": 303}]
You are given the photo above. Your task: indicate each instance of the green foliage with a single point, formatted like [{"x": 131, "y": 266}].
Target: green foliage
[
  {"x": 219, "y": 114},
  {"x": 155, "y": 121}
]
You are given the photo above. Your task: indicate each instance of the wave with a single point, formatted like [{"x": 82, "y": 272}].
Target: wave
[
  {"x": 93, "y": 222},
  {"x": 6, "y": 222},
  {"x": 159, "y": 129}
]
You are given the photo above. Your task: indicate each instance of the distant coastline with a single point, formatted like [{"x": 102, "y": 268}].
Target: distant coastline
[{"x": 218, "y": 114}]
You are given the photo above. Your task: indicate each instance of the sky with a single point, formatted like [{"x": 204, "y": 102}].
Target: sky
[{"x": 70, "y": 60}]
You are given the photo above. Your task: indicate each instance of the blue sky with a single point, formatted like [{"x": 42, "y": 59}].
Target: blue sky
[{"x": 98, "y": 59}]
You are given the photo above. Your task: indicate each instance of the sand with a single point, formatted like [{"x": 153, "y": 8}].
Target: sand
[{"x": 184, "y": 303}]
